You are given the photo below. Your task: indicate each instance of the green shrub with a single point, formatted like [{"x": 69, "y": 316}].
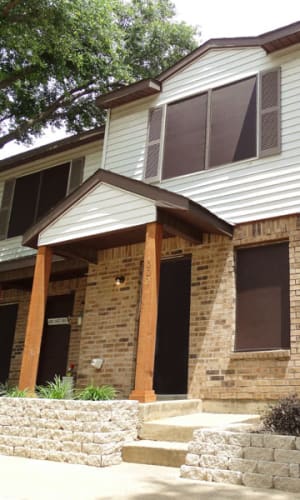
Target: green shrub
[
  {"x": 58, "y": 389},
  {"x": 12, "y": 392},
  {"x": 97, "y": 393},
  {"x": 283, "y": 417},
  {"x": 15, "y": 392}
]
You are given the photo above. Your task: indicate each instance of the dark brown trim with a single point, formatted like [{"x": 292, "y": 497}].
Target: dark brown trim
[
  {"x": 270, "y": 41},
  {"x": 87, "y": 254},
  {"x": 137, "y": 90},
  {"x": 75, "y": 141},
  {"x": 281, "y": 38},
  {"x": 175, "y": 226},
  {"x": 61, "y": 271},
  {"x": 165, "y": 200}
]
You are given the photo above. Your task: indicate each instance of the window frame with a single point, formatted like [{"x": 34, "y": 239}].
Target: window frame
[
  {"x": 259, "y": 152},
  {"x": 236, "y": 349},
  {"x": 74, "y": 179}
]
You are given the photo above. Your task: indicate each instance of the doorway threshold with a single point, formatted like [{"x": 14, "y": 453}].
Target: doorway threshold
[{"x": 170, "y": 397}]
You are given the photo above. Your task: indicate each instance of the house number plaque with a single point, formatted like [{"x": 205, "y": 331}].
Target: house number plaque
[{"x": 57, "y": 321}]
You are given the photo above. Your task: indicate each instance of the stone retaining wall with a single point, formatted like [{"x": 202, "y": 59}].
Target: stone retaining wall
[
  {"x": 81, "y": 432},
  {"x": 250, "y": 459}
]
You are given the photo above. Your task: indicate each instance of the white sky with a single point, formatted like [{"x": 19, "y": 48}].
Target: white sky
[
  {"x": 216, "y": 18},
  {"x": 226, "y": 18}
]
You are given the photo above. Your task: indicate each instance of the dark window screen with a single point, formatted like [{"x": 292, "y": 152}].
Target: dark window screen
[
  {"x": 24, "y": 204},
  {"x": 34, "y": 195},
  {"x": 262, "y": 282},
  {"x": 185, "y": 135},
  {"x": 53, "y": 187},
  {"x": 233, "y": 123}
]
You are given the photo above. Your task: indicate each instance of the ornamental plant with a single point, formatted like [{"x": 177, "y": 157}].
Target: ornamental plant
[
  {"x": 97, "y": 393},
  {"x": 12, "y": 392},
  {"x": 284, "y": 416},
  {"x": 58, "y": 389}
]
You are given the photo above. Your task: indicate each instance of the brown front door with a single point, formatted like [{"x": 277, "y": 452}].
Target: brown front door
[
  {"x": 172, "y": 341},
  {"x": 56, "y": 337},
  {"x": 8, "y": 318}
]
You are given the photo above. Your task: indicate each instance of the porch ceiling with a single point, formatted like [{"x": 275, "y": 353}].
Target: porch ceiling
[
  {"x": 61, "y": 270},
  {"x": 111, "y": 210}
]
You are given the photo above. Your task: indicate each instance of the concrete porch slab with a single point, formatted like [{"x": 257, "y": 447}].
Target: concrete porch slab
[{"x": 181, "y": 428}]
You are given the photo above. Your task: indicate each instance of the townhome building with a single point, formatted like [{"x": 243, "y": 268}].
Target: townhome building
[
  {"x": 176, "y": 264},
  {"x": 31, "y": 184}
]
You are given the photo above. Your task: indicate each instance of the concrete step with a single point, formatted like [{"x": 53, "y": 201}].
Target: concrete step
[
  {"x": 161, "y": 432},
  {"x": 155, "y": 453},
  {"x": 181, "y": 428},
  {"x": 164, "y": 409}
]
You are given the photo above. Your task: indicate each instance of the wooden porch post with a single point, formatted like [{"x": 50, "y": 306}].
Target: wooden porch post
[
  {"x": 143, "y": 390},
  {"x": 35, "y": 320}
]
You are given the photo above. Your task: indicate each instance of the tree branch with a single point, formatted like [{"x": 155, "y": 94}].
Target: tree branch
[
  {"x": 17, "y": 75},
  {"x": 61, "y": 102}
]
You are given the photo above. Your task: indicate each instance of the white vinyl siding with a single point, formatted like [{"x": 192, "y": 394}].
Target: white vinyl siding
[
  {"x": 126, "y": 142},
  {"x": 93, "y": 161},
  {"x": 12, "y": 249},
  {"x": 102, "y": 210},
  {"x": 238, "y": 192}
]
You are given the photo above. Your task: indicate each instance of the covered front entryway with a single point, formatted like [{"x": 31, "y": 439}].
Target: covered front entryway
[
  {"x": 110, "y": 211},
  {"x": 56, "y": 337},
  {"x": 172, "y": 338}
]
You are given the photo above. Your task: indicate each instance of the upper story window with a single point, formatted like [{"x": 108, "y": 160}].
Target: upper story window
[
  {"x": 27, "y": 198},
  {"x": 224, "y": 125}
]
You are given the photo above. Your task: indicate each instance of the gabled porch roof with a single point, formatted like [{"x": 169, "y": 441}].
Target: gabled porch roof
[{"x": 110, "y": 210}]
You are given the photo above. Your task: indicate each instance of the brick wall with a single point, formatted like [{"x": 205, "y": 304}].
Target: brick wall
[
  {"x": 111, "y": 319},
  {"x": 22, "y": 298},
  {"x": 111, "y": 313},
  {"x": 215, "y": 372}
]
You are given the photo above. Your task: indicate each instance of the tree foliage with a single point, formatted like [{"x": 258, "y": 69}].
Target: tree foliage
[{"x": 56, "y": 56}]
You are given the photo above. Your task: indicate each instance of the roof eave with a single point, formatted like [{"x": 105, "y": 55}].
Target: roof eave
[
  {"x": 161, "y": 197},
  {"x": 53, "y": 148},
  {"x": 270, "y": 42},
  {"x": 139, "y": 90}
]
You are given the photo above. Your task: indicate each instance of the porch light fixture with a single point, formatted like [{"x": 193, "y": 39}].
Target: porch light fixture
[{"x": 119, "y": 280}]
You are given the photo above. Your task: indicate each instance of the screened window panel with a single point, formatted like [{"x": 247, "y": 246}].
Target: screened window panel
[
  {"x": 262, "y": 305},
  {"x": 24, "y": 204},
  {"x": 34, "y": 195},
  {"x": 185, "y": 137},
  {"x": 233, "y": 123},
  {"x": 53, "y": 188},
  {"x": 6, "y": 204}
]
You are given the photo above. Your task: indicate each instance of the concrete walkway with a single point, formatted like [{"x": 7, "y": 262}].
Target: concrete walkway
[{"x": 25, "y": 479}]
